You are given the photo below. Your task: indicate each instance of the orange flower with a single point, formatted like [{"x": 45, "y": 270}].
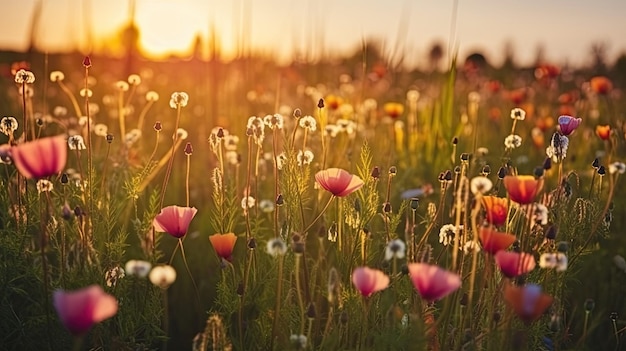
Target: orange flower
[
  {"x": 522, "y": 189},
  {"x": 224, "y": 245},
  {"x": 528, "y": 302},
  {"x": 513, "y": 264},
  {"x": 544, "y": 123},
  {"x": 496, "y": 209},
  {"x": 393, "y": 109},
  {"x": 604, "y": 132},
  {"x": 601, "y": 85},
  {"x": 494, "y": 241},
  {"x": 333, "y": 101},
  {"x": 338, "y": 181}
]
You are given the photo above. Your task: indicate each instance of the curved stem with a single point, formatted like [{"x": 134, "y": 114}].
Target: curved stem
[{"x": 319, "y": 215}]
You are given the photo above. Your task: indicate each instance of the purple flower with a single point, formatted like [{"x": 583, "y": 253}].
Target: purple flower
[{"x": 568, "y": 124}]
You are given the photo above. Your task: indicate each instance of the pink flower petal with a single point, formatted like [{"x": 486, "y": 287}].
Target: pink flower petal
[
  {"x": 432, "y": 282},
  {"x": 79, "y": 310},
  {"x": 368, "y": 281},
  {"x": 174, "y": 220}
]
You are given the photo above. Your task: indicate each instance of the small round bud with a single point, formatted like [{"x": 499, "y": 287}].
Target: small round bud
[
  {"x": 188, "y": 149},
  {"x": 393, "y": 171},
  {"x": 447, "y": 176},
  {"x": 457, "y": 170},
  {"x": 158, "y": 126},
  {"x": 86, "y": 62},
  {"x": 465, "y": 157},
  {"x": 601, "y": 170},
  {"x": 240, "y": 289},
  {"x": 252, "y": 243},
  {"x": 596, "y": 163},
  {"x": 375, "y": 172},
  {"x": 547, "y": 163},
  {"x": 320, "y": 103},
  {"x": 414, "y": 203},
  {"x": 538, "y": 172},
  {"x": 387, "y": 207},
  {"x": 109, "y": 138},
  {"x": 486, "y": 170},
  {"x": 404, "y": 269},
  {"x": 613, "y": 316},
  {"x": 65, "y": 178},
  {"x": 455, "y": 141},
  {"x": 297, "y": 113},
  {"x": 562, "y": 246},
  {"x": 551, "y": 233},
  {"x": 502, "y": 173},
  {"x": 280, "y": 200}
]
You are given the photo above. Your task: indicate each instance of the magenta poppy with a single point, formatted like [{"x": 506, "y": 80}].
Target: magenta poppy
[
  {"x": 568, "y": 124},
  {"x": 40, "y": 158},
  {"x": 513, "y": 264},
  {"x": 174, "y": 220},
  {"x": 368, "y": 281},
  {"x": 79, "y": 310},
  {"x": 433, "y": 282},
  {"x": 338, "y": 181}
]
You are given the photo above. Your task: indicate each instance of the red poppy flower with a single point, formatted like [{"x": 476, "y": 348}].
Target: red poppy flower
[
  {"x": 568, "y": 124},
  {"x": 368, "y": 281},
  {"x": 338, "y": 181},
  {"x": 40, "y": 158},
  {"x": 393, "y": 109},
  {"x": 224, "y": 245},
  {"x": 522, "y": 188},
  {"x": 433, "y": 282},
  {"x": 496, "y": 209},
  {"x": 601, "y": 85},
  {"x": 528, "y": 302},
  {"x": 603, "y": 131},
  {"x": 174, "y": 220},
  {"x": 79, "y": 310},
  {"x": 494, "y": 241},
  {"x": 513, "y": 264}
]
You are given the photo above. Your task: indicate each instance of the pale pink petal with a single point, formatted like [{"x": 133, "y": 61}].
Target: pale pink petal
[
  {"x": 433, "y": 282},
  {"x": 368, "y": 281}
]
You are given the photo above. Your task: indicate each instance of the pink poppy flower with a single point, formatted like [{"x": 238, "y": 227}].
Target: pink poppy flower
[
  {"x": 368, "y": 281},
  {"x": 338, "y": 181},
  {"x": 40, "y": 158},
  {"x": 79, "y": 310},
  {"x": 433, "y": 282},
  {"x": 494, "y": 241},
  {"x": 174, "y": 220},
  {"x": 528, "y": 302},
  {"x": 568, "y": 124},
  {"x": 224, "y": 245},
  {"x": 513, "y": 264}
]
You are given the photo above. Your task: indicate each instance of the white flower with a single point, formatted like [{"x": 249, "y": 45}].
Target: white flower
[
  {"x": 44, "y": 185},
  {"x": 57, "y": 76},
  {"x": 179, "y": 99},
  {"x": 132, "y": 136},
  {"x": 332, "y": 130},
  {"x": 395, "y": 249},
  {"x": 541, "y": 214},
  {"x": 298, "y": 341},
  {"x": 281, "y": 160},
  {"x": 518, "y": 114},
  {"x": 617, "y": 167},
  {"x": 121, "y": 85},
  {"x": 8, "y": 125},
  {"x": 86, "y": 92},
  {"x": 275, "y": 121},
  {"x": 76, "y": 142},
  {"x": 558, "y": 147},
  {"x": 113, "y": 275},
  {"x": 59, "y": 111},
  {"x": 447, "y": 233},
  {"x": 620, "y": 262},
  {"x": 182, "y": 134},
  {"x": 304, "y": 158},
  {"x": 412, "y": 95},
  {"x": 23, "y": 76},
  {"x": 471, "y": 246},
  {"x": 231, "y": 142},
  {"x": 152, "y": 96},
  {"x": 266, "y": 205},
  {"x": 553, "y": 260},
  {"x": 512, "y": 141},
  {"x": 248, "y": 202},
  {"x": 163, "y": 276},
  {"x": 480, "y": 185},
  {"x": 134, "y": 79},
  {"x": 101, "y": 130},
  {"x": 138, "y": 268},
  {"x": 276, "y": 247},
  {"x": 308, "y": 122},
  {"x": 232, "y": 157},
  {"x": 346, "y": 125}
]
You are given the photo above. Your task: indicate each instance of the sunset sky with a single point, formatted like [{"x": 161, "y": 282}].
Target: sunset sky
[{"x": 564, "y": 28}]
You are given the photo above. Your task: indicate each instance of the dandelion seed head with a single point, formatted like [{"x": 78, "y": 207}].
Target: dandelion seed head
[
  {"x": 182, "y": 133},
  {"x": 512, "y": 141},
  {"x": 162, "y": 276},
  {"x": 76, "y": 142},
  {"x": 518, "y": 114},
  {"x": 85, "y": 92},
  {"x": 8, "y": 125},
  {"x": 275, "y": 121},
  {"x": 447, "y": 234},
  {"x": 24, "y": 77},
  {"x": 113, "y": 275},
  {"x": 179, "y": 99},
  {"x": 266, "y": 206},
  {"x": 44, "y": 185},
  {"x": 276, "y": 247},
  {"x": 121, "y": 85},
  {"x": 480, "y": 185},
  {"x": 309, "y": 123},
  {"x": 617, "y": 167},
  {"x": 396, "y": 248},
  {"x": 57, "y": 76},
  {"x": 304, "y": 158},
  {"x": 134, "y": 79},
  {"x": 152, "y": 96}
]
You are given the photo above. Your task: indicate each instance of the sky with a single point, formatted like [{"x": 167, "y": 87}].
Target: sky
[{"x": 564, "y": 29}]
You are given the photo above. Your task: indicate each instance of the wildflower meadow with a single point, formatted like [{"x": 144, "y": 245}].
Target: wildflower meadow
[{"x": 332, "y": 206}]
